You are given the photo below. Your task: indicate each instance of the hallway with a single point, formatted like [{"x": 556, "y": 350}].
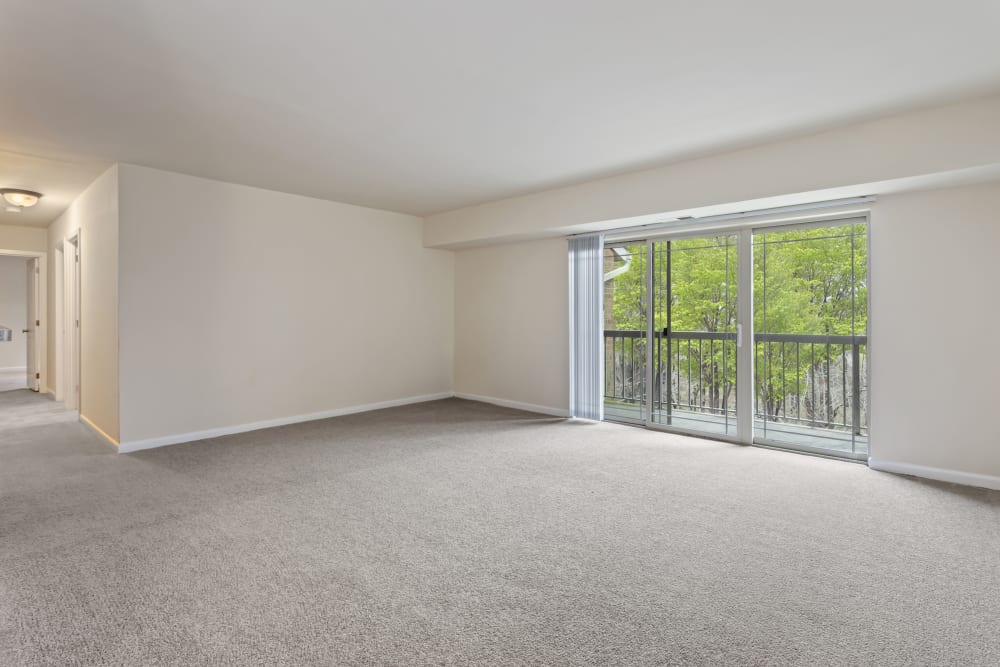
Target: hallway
[
  {"x": 13, "y": 379},
  {"x": 22, "y": 409}
]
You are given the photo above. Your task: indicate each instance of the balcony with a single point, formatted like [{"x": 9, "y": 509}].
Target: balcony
[{"x": 810, "y": 390}]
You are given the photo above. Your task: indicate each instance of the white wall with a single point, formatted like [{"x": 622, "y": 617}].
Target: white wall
[
  {"x": 14, "y": 310},
  {"x": 934, "y": 329},
  {"x": 23, "y": 239},
  {"x": 846, "y": 161},
  {"x": 240, "y": 305},
  {"x": 933, "y": 259},
  {"x": 95, "y": 215},
  {"x": 512, "y": 324}
]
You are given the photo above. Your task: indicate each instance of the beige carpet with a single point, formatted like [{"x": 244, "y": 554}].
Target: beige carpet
[
  {"x": 459, "y": 533},
  {"x": 23, "y": 408}
]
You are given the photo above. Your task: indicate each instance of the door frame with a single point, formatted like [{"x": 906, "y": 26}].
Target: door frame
[
  {"x": 744, "y": 229},
  {"x": 814, "y": 223},
  {"x": 34, "y": 271},
  {"x": 744, "y": 353},
  {"x": 41, "y": 312},
  {"x": 68, "y": 288}
]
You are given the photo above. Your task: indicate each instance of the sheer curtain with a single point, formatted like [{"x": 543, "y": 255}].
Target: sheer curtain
[{"x": 586, "y": 287}]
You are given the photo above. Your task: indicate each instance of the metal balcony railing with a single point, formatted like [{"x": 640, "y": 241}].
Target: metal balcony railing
[{"x": 811, "y": 381}]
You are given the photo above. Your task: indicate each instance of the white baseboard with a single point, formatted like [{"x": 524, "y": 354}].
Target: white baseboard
[
  {"x": 527, "y": 407},
  {"x": 15, "y": 369},
  {"x": 163, "y": 441},
  {"x": 939, "y": 474}
]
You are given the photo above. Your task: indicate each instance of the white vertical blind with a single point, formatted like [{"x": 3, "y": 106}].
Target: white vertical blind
[{"x": 585, "y": 326}]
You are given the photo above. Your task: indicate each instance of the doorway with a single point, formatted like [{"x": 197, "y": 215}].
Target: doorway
[
  {"x": 67, "y": 339},
  {"x": 22, "y": 339},
  {"x": 751, "y": 334}
]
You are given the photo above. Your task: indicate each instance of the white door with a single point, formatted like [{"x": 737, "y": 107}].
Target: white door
[
  {"x": 31, "y": 332},
  {"x": 71, "y": 324}
]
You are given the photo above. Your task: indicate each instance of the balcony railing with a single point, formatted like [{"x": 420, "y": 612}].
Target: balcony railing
[{"x": 801, "y": 380}]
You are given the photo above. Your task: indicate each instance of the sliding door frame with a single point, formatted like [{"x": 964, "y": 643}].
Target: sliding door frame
[
  {"x": 742, "y": 358},
  {"x": 744, "y": 229},
  {"x": 858, "y": 218}
]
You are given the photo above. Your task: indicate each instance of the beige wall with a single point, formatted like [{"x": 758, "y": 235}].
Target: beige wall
[
  {"x": 242, "y": 305},
  {"x": 933, "y": 258},
  {"x": 23, "y": 239},
  {"x": 934, "y": 324},
  {"x": 95, "y": 215},
  {"x": 512, "y": 323},
  {"x": 14, "y": 310},
  {"x": 855, "y": 159}
]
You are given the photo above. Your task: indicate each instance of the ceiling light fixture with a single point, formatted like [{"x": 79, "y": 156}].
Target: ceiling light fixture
[{"x": 18, "y": 199}]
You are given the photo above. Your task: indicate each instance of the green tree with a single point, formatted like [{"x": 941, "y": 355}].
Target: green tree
[{"x": 806, "y": 281}]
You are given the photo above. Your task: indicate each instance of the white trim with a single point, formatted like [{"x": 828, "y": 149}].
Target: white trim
[
  {"x": 650, "y": 305},
  {"x": 42, "y": 310},
  {"x": 745, "y": 349},
  {"x": 517, "y": 405},
  {"x": 14, "y": 369},
  {"x": 66, "y": 338},
  {"x": 33, "y": 341},
  {"x": 163, "y": 441},
  {"x": 939, "y": 474},
  {"x": 71, "y": 321},
  {"x": 58, "y": 291},
  {"x": 756, "y": 218}
]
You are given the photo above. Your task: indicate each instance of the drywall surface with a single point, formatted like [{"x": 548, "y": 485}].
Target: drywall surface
[
  {"x": 933, "y": 329},
  {"x": 909, "y": 145},
  {"x": 241, "y": 305},
  {"x": 23, "y": 239},
  {"x": 14, "y": 311},
  {"x": 94, "y": 215},
  {"x": 512, "y": 323},
  {"x": 933, "y": 320}
]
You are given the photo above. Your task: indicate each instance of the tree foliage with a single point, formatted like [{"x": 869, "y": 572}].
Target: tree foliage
[{"x": 806, "y": 281}]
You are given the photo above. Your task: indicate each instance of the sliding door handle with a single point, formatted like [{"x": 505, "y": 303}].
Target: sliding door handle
[{"x": 739, "y": 335}]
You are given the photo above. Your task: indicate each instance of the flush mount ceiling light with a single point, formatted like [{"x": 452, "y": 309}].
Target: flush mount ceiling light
[{"x": 16, "y": 199}]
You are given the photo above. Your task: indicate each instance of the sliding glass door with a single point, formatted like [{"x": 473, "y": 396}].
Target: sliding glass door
[
  {"x": 625, "y": 332},
  {"x": 747, "y": 334},
  {"x": 695, "y": 290},
  {"x": 810, "y": 340}
]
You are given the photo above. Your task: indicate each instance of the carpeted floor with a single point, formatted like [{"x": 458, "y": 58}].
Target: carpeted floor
[
  {"x": 22, "y": 409},
  {"x": 12, "y": 380},
  {"x": 458, "y": 533}
]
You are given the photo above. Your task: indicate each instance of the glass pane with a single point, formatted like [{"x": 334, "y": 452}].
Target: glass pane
[
  {"x": 695, "y": 298},
  {"x": 810, "y": 342},
  {"x": 625, "y": 332}
]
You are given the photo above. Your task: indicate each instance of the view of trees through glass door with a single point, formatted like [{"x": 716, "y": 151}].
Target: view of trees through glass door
[
  {"x": 695, "y": 333},
  {"x": 810, "y": 337},
  {"x": 672, "y": 333},
  {"x": 625, "y": 331}
]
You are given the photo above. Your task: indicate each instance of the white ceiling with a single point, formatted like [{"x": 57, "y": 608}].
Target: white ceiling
[
  {"x": 59, "y": 182},
  {"x": 432, "y": 105}
]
